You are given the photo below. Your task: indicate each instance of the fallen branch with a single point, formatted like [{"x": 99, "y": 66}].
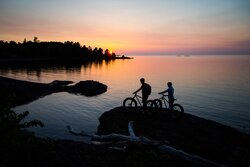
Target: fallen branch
[
  {"x": 143, "y": 140},
  {"x": 109, "y": 137}
]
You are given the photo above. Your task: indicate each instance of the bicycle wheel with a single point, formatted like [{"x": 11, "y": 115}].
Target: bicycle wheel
[
  {"x": 158, "y": 103},
  {"x": 151, "y": 107},
  {"x": 177, "y": 111},
  {"x": 130, "y": 104}
]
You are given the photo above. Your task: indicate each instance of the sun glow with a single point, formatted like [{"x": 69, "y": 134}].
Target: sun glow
[{"x": 220, "y": 29}]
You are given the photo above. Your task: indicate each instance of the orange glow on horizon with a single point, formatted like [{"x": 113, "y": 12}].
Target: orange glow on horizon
[
  {"x": 153, "y": 27},
  {"x": 110, "y": 52}
]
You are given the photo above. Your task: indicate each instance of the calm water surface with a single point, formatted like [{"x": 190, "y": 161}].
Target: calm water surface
[{"x": 212, "y": 87}]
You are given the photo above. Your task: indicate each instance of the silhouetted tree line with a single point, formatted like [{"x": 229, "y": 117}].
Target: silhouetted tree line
[{"x": 38, "y": 49}]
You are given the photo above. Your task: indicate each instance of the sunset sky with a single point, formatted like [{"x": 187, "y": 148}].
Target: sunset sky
[{"x": 133, "y": 26}]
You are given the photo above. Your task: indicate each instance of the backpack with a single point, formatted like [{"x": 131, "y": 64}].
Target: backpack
[{"x": 147, "y": 89}]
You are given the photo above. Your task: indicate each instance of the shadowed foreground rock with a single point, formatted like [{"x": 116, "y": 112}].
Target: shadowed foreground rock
[
  {"x": 25, "y": 92},
  {"x": 191, "y": 134}
]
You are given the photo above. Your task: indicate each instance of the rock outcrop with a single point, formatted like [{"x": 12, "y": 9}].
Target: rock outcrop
[{"x": 24, "y": 92}]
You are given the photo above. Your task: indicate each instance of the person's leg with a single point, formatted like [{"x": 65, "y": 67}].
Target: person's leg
[
  {"x": 171, "y": 103},
  {"x": 144, "y": 101}
]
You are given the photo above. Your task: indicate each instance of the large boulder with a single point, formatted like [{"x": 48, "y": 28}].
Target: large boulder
[
  {"x": 191, "y": 134},
  {"x": 88, "y": 88}
]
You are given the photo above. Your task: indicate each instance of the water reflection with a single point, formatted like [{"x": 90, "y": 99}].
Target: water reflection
[
  {"x": 40, "y": 71},
  {"x": 213, "y": 87}
]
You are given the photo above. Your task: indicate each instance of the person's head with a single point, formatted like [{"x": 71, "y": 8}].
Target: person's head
[
  {"x": 169, "y": 84},
  {"x": 142, "y": 80}
]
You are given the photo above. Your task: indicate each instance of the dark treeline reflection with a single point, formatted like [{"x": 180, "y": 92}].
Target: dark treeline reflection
[
  {"x": 59, "y": 50},
  {"x": 36, "y": 69}
]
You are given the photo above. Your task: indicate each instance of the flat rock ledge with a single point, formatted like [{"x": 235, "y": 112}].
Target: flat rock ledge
[
  {"x": 192, "y": 134},
  {"x": 24, "y": 92}
]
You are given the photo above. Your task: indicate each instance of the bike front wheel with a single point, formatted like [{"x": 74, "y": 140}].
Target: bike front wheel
[
  {"x": 177, "y": 112},
  {"x": 130, "y": 104},
  {"x": 158, "y": 103}
]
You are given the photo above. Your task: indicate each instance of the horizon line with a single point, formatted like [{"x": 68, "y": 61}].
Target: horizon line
[{"x": 156, "y": 53}]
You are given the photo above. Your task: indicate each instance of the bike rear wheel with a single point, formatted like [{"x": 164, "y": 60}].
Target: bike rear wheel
[
  {"x": 177, "y": 112},
  {"x": 151, "y": 107},
  {"x": 130, "y": 104}
]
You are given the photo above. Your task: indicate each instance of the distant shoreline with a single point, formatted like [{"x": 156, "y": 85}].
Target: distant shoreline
[
  {"x": 37, "y": 50},
  {"x": 17, "y": 62},
  {"x": 83, "y": 59}
]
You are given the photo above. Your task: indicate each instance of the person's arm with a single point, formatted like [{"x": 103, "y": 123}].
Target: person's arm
[
  {"x": 138, "y": 90},
  {"x": 165, "y": 91}
]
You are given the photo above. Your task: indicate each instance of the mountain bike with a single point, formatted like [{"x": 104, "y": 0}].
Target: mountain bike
[
  {"x": 131, "y": 104},
  {"x": 176, "y": 112}
]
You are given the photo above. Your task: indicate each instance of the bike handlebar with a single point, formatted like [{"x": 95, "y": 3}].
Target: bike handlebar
[{"x": 163, "y": 94}]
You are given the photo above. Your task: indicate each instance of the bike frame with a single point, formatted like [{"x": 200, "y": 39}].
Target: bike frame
[
  {"x": 137, "y": 98},
  {"x": 164, "y": 100}
]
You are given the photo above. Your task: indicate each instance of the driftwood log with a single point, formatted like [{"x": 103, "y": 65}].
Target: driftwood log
[{"x": 110, "y": 138}]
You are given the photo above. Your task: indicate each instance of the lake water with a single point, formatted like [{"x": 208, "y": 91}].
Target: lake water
[{"x": 212, "y": 87}]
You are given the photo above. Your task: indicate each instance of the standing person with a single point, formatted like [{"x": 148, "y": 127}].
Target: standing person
[
  {"x": 146, "y": 91},
  {"x": 170, "y": 91}
]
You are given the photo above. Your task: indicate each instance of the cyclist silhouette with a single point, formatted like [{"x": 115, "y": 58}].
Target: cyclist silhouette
[
  {"x": 170, "y": 91},
  {"x": 146, "y": 90}
]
